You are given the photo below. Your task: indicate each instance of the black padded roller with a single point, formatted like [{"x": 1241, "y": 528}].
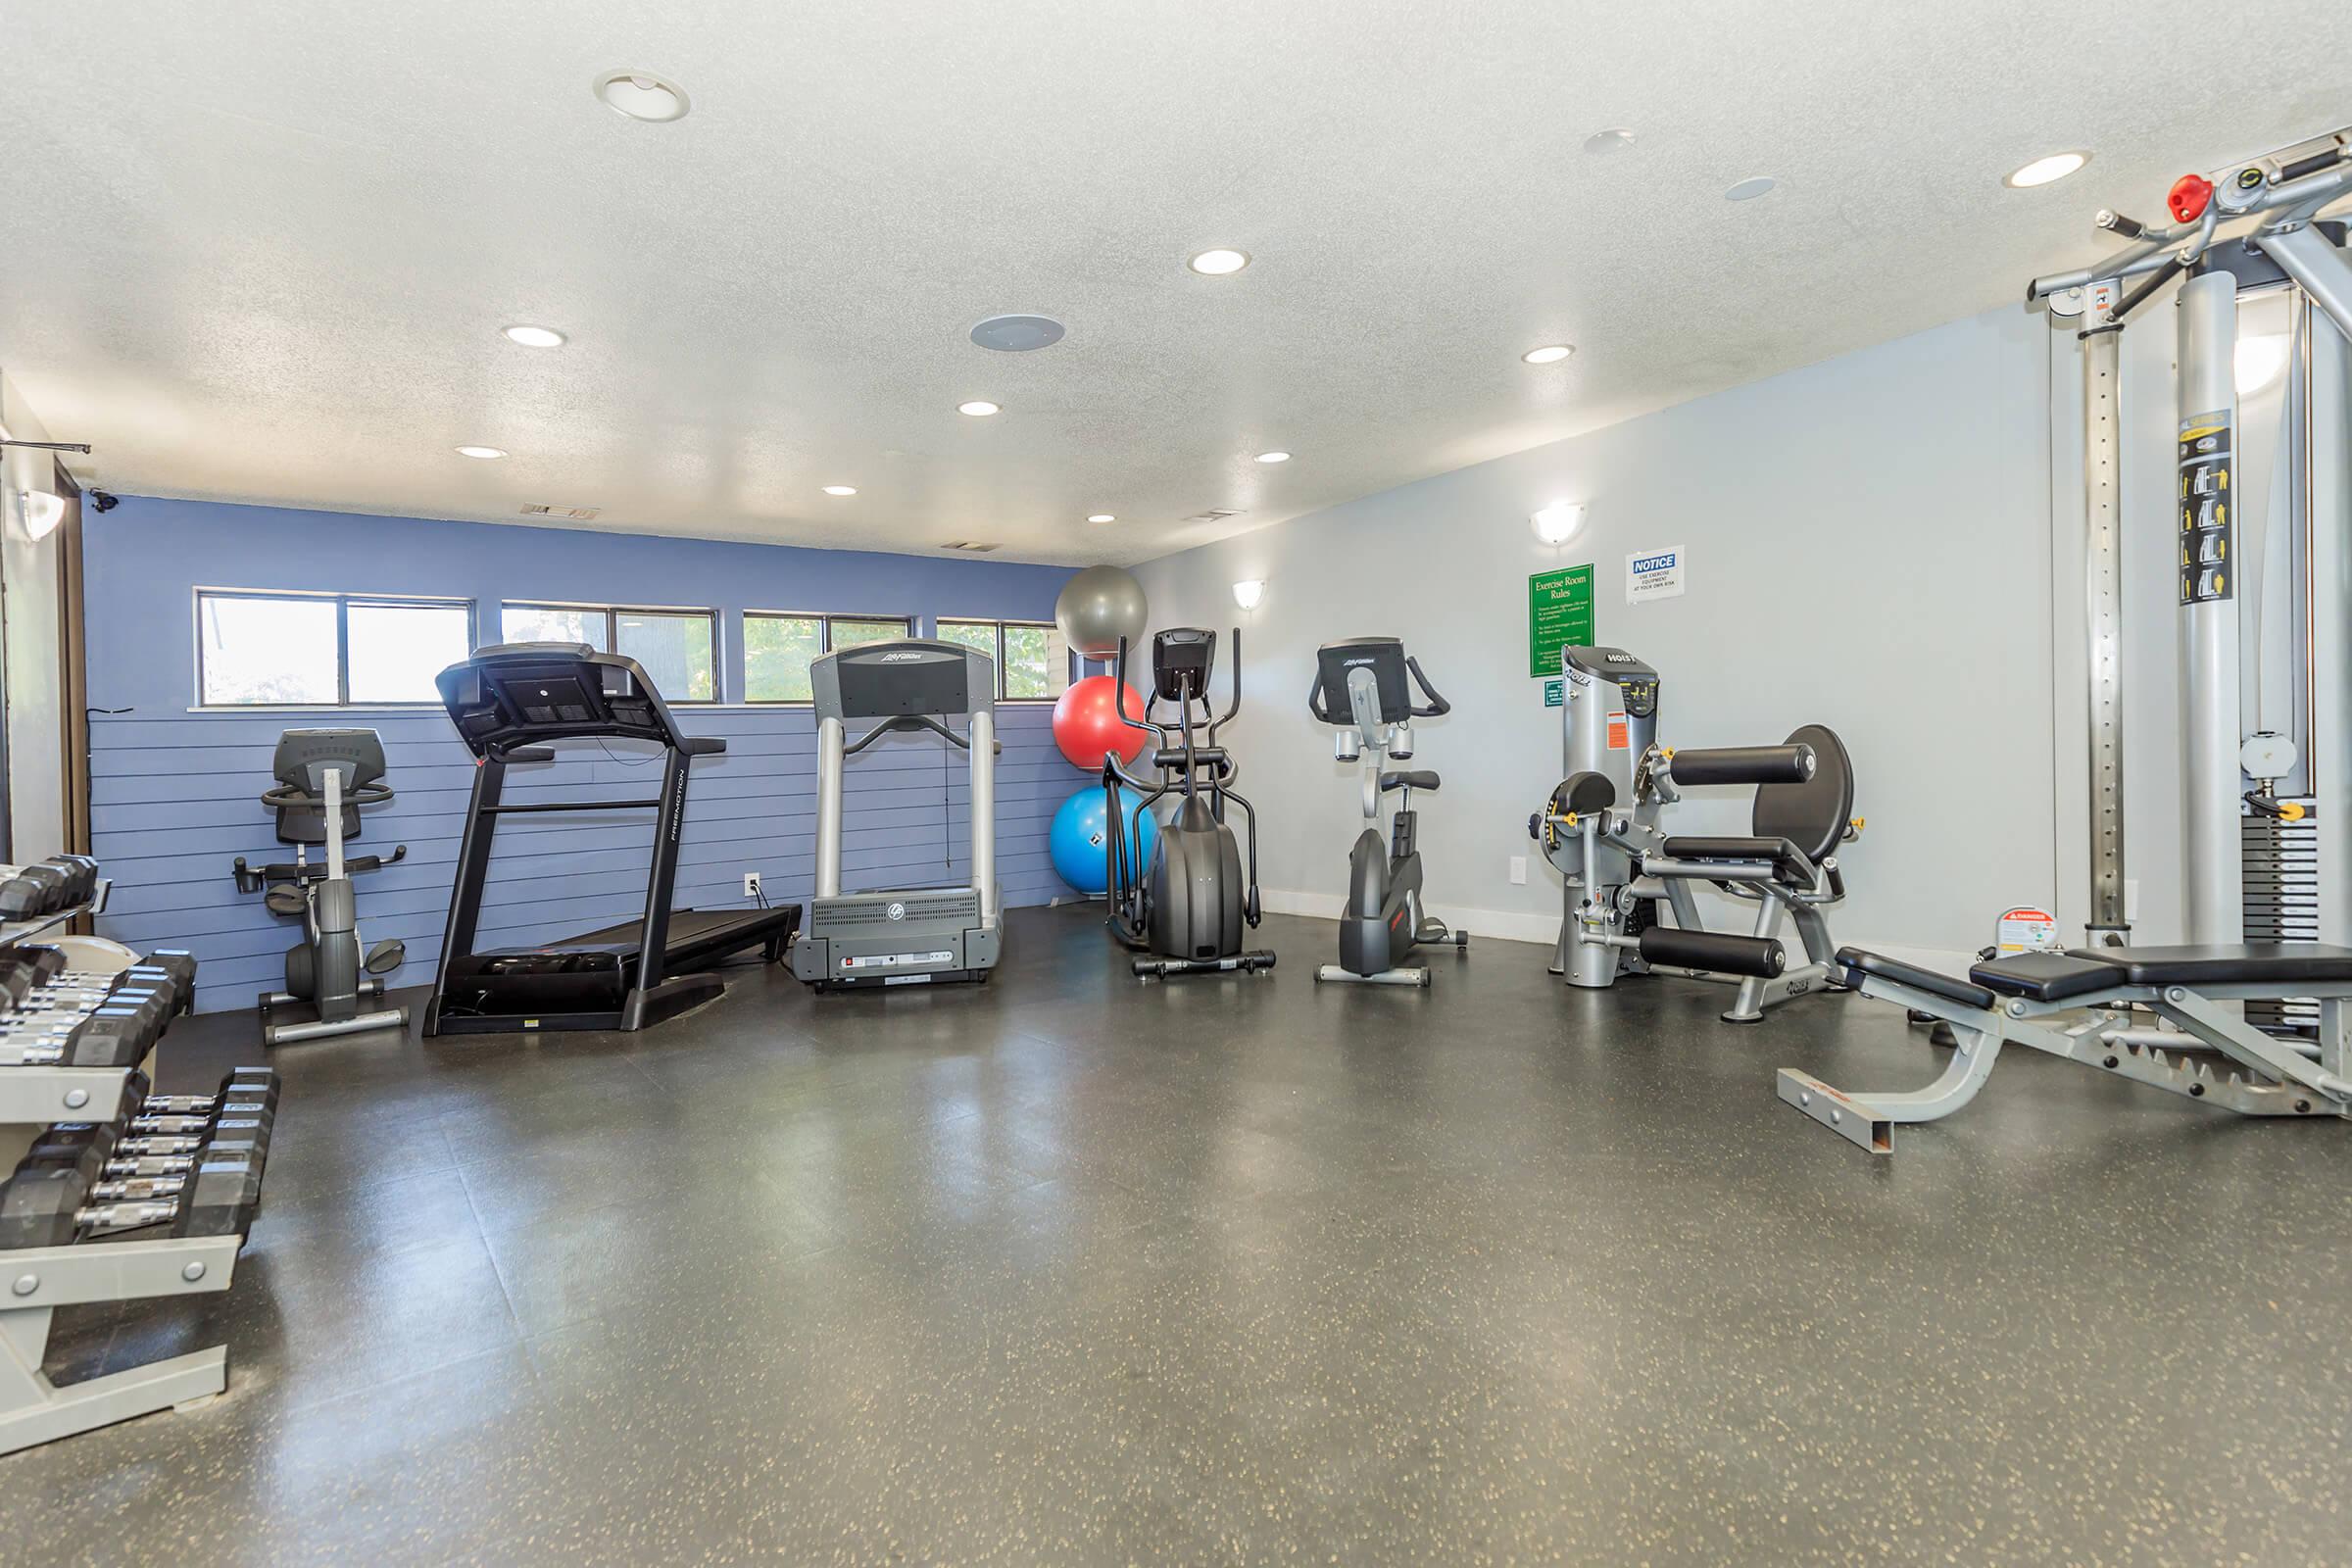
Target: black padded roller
[
  {"x": 1719, "y": 950},
  {"x": 1744, "y": 764}
]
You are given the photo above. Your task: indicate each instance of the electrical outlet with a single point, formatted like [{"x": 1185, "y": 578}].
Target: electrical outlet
[
  {"x": 1518, "y": 870},
  {"x": 751, "y": 884}
]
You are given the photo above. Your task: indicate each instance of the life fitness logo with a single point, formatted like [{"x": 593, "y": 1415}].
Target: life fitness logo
[
  {"x": 895, "y": 911},
  {"x": 1350, "y": 663},
  {"x": 903, "y": 658}
]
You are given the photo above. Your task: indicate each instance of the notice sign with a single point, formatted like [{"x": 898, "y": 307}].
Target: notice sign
[
  {"x": 1654, "y": 574},
  {"x": 1560, "y": 615},
  {"x": 1552, "y": 693}
]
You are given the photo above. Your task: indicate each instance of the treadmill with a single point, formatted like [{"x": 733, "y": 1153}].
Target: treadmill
[
  {"x": 508, "y": 703},
  {"x": 902, "y": 936}
]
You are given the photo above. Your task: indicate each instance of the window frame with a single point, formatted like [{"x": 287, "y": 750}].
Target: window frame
[
  {"x": 1069, "y": 675},
  {"x": 824, "y": 636},
  {"x": 342, "y": 601},
  {"x": 612, "y": 614}
]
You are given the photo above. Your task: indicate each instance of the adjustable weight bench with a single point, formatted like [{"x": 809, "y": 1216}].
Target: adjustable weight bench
[{"x": 2077, "y": 1004}]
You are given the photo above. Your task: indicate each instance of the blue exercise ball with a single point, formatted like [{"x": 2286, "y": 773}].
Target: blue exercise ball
[{"x": 1078, "y": 838}]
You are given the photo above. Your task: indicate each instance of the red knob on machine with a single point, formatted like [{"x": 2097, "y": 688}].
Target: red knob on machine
[{"x": 2187, "y": 198}]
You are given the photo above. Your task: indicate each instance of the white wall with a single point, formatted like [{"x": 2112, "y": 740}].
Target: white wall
[
  {"x": 1870, "y": 548},
  {"x": 31, "y": 610}
]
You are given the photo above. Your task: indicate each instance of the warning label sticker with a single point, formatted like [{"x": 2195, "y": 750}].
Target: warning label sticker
[{"x": 1620, "y": 738}]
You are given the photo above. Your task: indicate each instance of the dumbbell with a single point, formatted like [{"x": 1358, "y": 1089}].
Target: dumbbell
[
  {"x": 32, "y": 968},
  {"x": 58, "y": 883},
  {"x": 119, "y": 1035},
  {"x": 49, "y": 1206},
  {"x": 242, "y": 1112},
  {"x": 35, "y": 986}
]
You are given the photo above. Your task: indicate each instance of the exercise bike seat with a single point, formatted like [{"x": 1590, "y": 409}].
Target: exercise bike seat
[{"x": 1410, "y": 781}]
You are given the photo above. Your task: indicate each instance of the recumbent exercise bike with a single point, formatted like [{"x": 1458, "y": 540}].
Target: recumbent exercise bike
[{"x": 323, "y": 777}]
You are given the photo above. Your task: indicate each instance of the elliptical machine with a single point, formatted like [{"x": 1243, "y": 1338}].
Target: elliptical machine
[
  {"x": 323, "y": 777},
  {"x": 1188, "y": 908},
  {"x": 1361, "y": 690}
]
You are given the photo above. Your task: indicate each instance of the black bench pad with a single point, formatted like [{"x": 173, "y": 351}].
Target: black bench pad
[
  {"x": 2244, "y": 963},
  {"x": 2047, "y": 976},
  {"x": 1860, "y": 961},
  {"x": 1787, "y": 861}
]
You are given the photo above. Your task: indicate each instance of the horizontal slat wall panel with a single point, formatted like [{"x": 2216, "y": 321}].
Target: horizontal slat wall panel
[{"x": 175, "y": 802}]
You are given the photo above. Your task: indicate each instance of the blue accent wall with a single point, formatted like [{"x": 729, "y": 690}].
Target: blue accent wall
[{"x": 174, "y": 791}]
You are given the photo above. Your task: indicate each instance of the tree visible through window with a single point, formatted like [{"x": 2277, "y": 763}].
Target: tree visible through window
[
  {"x": 325, "y": 650},
  {"x": 777, "y": 649},
  {"x": 1033, "y": 662}
]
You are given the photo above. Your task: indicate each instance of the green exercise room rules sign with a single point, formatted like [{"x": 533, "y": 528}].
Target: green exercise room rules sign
[{"x": 1560, "y": 615}]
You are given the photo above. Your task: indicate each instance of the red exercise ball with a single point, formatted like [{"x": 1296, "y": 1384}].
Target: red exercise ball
[{"x": 1087, "y": 727}]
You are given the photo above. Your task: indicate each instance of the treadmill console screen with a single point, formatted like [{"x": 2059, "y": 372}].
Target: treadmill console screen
[{"x": 884, "y": 680}]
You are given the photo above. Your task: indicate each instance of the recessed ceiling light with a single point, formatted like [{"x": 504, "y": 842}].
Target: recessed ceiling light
[
  {"x": 1102, "y": 517},
  {"x": 640, "y": 95},
  {"x": 1549, "y": 354},
  {"x": 484, "y": 453},
  {"x": 840, "y": 489},
  {"x": 1273, "y": 456},
  {"x": 535, "y": 337},
  {"x": 1748, "y": 189},
  {"x": 1218, "y": 262},
  {"x": 1613, "y": 140},
  {"x": 978, "y": 407},
  {"x": 2047, "y": 171}
]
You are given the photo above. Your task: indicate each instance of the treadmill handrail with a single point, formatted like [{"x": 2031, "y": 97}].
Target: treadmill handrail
[{"x": 906, "y": 721}]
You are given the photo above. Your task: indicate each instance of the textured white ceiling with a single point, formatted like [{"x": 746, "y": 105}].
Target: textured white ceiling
[{"x": 263, "y": 251}]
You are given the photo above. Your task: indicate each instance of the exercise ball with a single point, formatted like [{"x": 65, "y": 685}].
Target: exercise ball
[
  {"x": 1099, "y": 607},
  {"x": 1087, "y": 727},
  {"x": 1079, "y": 839}
]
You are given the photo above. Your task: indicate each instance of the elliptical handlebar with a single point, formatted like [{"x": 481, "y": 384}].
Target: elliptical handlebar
[
  {"x": 1118, "y": 698},
  {"x": 1234, "y": 706}
]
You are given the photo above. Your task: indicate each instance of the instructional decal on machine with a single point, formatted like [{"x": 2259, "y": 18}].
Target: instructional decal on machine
[
  {"x": 2206, "y": 530},
  {"x": 1560, "y": 615},
  {"x": 1654, "y": 574}
]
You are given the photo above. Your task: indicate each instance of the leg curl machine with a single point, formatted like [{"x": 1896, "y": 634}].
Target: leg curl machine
[{"x": 1600, "y": 828}]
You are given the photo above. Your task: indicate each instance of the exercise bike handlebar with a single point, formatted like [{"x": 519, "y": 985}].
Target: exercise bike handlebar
[
  {"x": 283, "y": 795},
  {"x": 1437, "y": 704}
]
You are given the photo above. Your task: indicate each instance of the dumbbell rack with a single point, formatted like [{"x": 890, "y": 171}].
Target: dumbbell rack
[
  {"x": 35, "y": 1281},
  {"x": 32, "y": 1098}
]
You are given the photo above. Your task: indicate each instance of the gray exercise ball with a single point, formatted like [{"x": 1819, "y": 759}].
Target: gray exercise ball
[{"x": 1099, "y": 607}]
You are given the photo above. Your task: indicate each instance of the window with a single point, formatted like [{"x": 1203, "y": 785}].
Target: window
[
  {"x": 678, "y": 647},
  {"x": 325, "y": 650},
  {"x": 777, "y": 649},
  {"x": 1033, "y": 662}
]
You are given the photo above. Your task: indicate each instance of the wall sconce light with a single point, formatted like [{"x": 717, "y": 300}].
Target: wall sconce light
[
  {"x": 42, "y": 513},
  {"x": 1247, "y": 594},
  {"x": 1557, "y": 524}
]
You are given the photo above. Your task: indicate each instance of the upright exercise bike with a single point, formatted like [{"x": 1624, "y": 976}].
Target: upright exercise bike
[
  {"x": 1361, "y": 690},
  {"x": 323, "y": 777},
  {"x": 1188, "y": 909}
]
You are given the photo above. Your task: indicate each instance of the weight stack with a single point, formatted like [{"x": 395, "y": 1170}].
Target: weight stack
[{"x": 2281, "y": 877}]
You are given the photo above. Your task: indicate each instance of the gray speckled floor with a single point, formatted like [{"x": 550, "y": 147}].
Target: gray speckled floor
[{"x": 1072, "y": 1269}]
